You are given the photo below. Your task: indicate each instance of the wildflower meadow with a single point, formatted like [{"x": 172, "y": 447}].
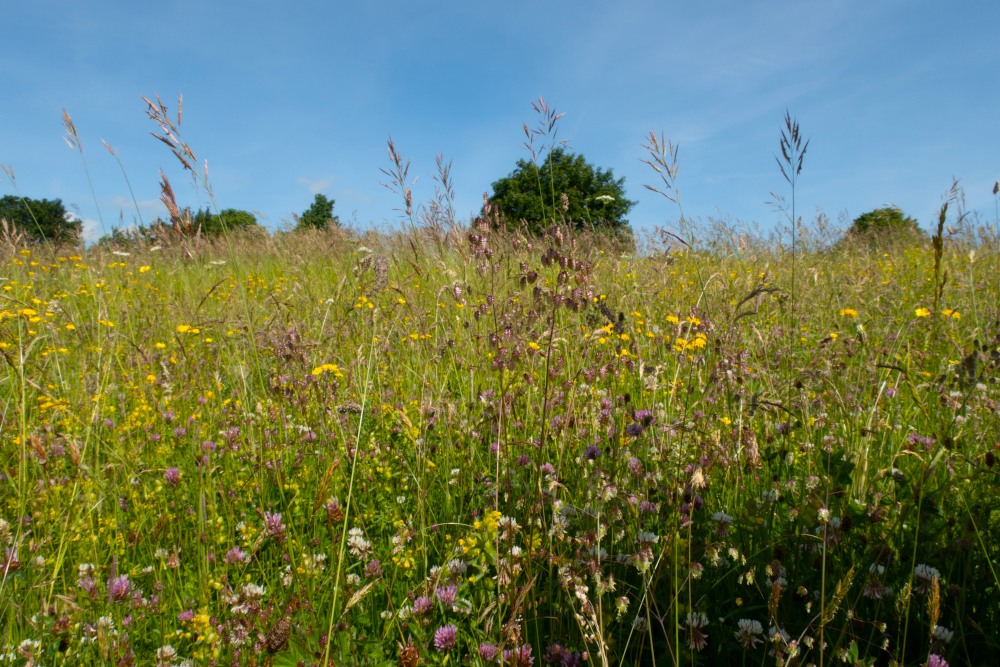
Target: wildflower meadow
[{"x": 459, "y": 443}]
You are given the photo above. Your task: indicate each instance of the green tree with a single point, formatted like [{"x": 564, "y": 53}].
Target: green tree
[
  {"x": 41, "y": 219},
  {"x": 319, "y": 215},
  {"x": 885, "y": 224},
  {"x": 229, "y": 219},
  {"x": 565, "y": 183}
]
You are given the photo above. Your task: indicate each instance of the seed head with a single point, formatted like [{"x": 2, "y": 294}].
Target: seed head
[{"x": 277, "y": 638}]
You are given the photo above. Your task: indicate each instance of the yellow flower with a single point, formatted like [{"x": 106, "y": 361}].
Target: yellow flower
[
  {"x": 848, "y": 312},
  {"x": 332, "y": 368},
  {"x": 672, "y": 319},
  {"x": 534, "y": 346},
  {"x": 70, "y": 327},
  {"x": 183, "y": 328},
  {"x": 952, "y": 313},
  {"x": 922, "y": 312},
  {"x": 143, "y": 269}
]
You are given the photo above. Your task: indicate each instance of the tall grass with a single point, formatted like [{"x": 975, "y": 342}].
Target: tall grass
[{"x": 446, "y": 444}]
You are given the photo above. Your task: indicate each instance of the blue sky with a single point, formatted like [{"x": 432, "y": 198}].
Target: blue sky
[{"x": 288, "y": 99}]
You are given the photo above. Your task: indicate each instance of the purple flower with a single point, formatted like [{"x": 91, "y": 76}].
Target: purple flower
[
  {"x": 523, "y": 460},
  {"x": 423, "y": 605},
  {"x": 208, "y": 446},
  {"x": 185, "y": 616},
  {"x": 644, "y": 417},
  {"x": 235, "y": 555},
  {"x": 560, "y": 656},
  {"x": 119, "y": 588},
  {"x": 273, "y": 526},
  {"x": 487, "y": 651},
  {"x": 891, "y": 392},
  {"x": 123, "y": 503},
  {"x": 445, "y": 637},
  {"x": 518, "y": 657},
  {"x": 936, "y": 661},
  {"x": 373, "y": 568},
  {"x": 633, "y": 430},
  {"x": 180, "y": 432},
  {"x": 592, "y": 453},
  {"x": 548, "y": 468},
  {"x": 173, "y": 476},
  {"x": 446, "y": 595},
  {"x": 87, "y": 584}
]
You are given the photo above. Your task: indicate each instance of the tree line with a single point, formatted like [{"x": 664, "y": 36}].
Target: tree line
[{"x": 563, "y": 188}]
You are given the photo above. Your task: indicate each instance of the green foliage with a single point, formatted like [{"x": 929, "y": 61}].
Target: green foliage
[
  {"x": 40, "y": 219},
  {"x": 319, "y": 215},
  {"x": 564, "y": 184},
  {"x": 882, "y": 222},
  {"x": 230, "y": 219},
  {"x": 211, "y": 225}
]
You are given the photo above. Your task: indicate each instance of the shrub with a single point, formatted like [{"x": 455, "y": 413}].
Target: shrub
[
  {"x": 883, "y": 225},
  {"x": 229, "y": 219}
]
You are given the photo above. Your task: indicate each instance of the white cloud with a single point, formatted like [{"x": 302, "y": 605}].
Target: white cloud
[
  {"x": 316, "y": 187},
  {"x": 91, "y": 231}
]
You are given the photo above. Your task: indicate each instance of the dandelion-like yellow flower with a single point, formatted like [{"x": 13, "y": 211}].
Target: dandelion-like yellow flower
[
  {"x": 922, "y": 312},
  {"x": 952, "y": 313},
  {"x": 331, "y": 368},
  {"x": 143, "y": 269},
  {"x": 848, "y": 312}
]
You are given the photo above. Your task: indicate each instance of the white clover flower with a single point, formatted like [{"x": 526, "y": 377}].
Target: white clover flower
[
  {"x": 648, "y": 538},
  {"x": 943, "y": 634},
  {"x": 28, "y": 648},
  {"x": 749, "y": 633},
  {"x": 165, "y": 655}
]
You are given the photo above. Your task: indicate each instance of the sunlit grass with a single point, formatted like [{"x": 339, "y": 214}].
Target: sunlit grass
[{"x": 434, "y": 448}]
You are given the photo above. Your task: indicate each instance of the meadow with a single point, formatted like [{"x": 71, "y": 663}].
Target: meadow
[{"x": 458, "y": 444}]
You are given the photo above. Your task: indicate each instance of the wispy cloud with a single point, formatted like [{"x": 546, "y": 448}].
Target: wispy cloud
[
  {"x": 316, "y": 187},
  {"x": 355, "y": 195}
]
